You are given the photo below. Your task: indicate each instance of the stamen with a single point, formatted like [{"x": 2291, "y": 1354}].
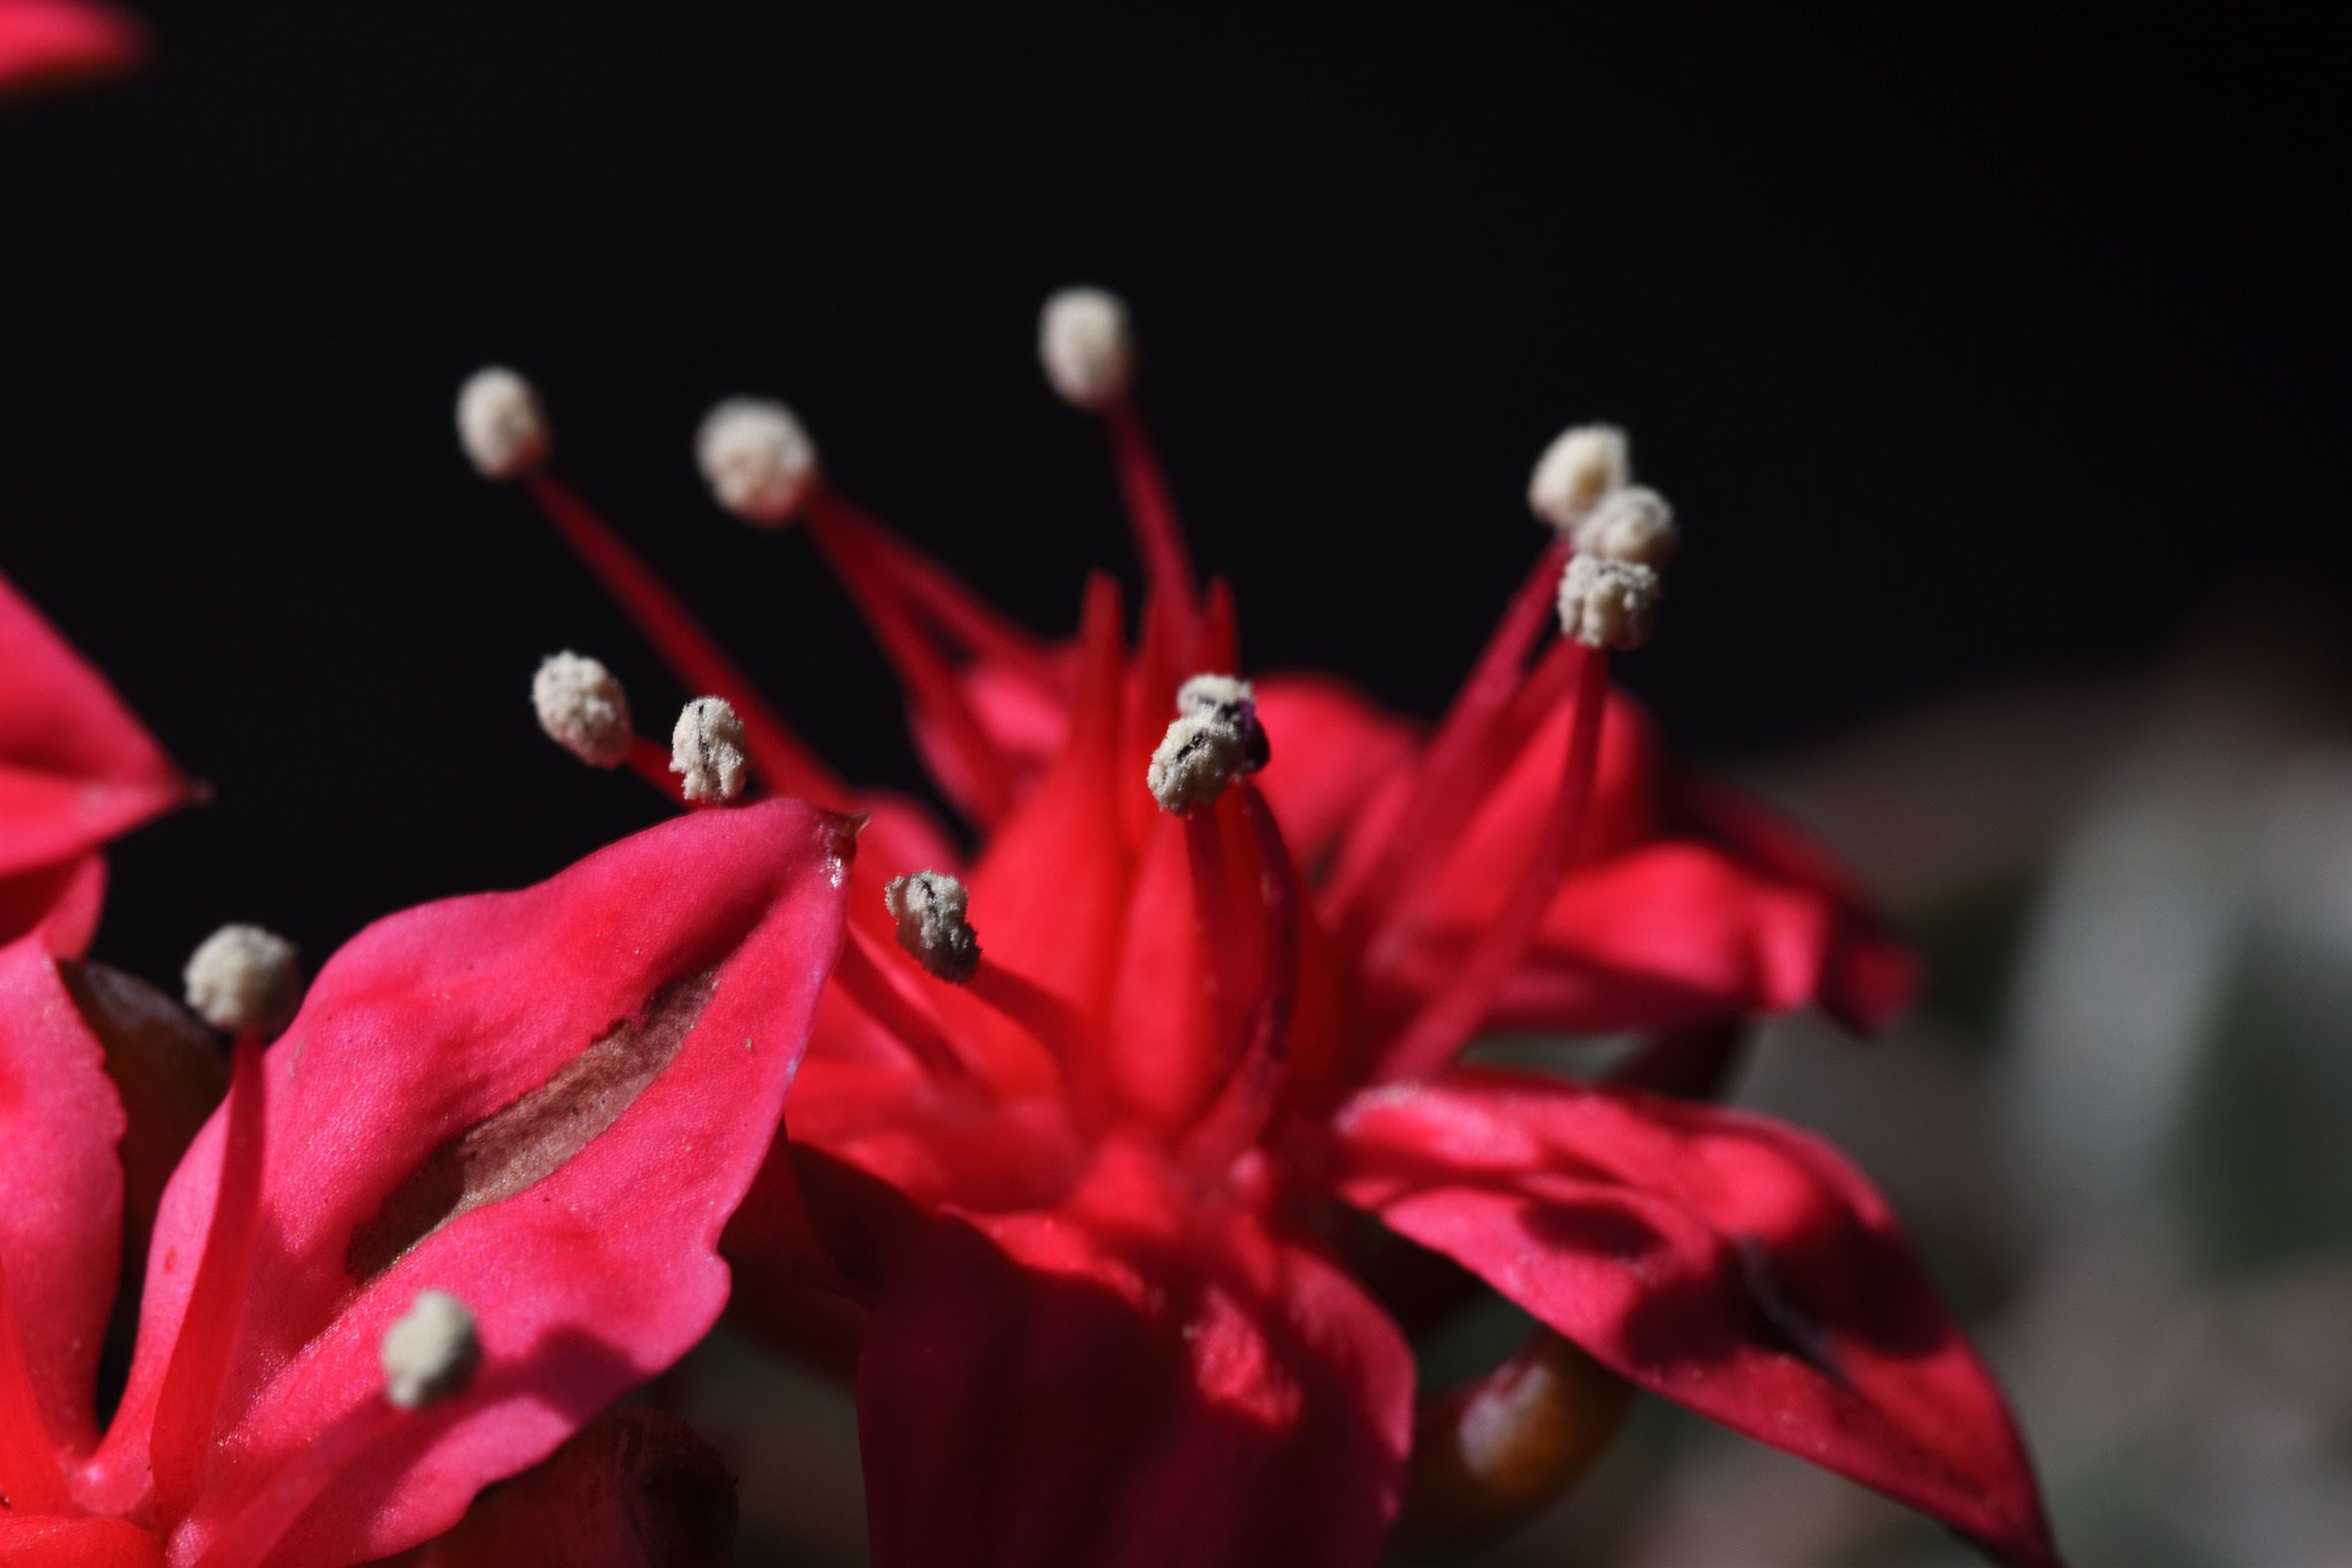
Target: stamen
[
  {"x": 499, "y": 423},
  {"x": 1446, "y": 782},
  {"x": 1089, "y": 351},
  {"x": 1631, "y": 525},
  {"x": 188, "y": 1403},
  {"x": 1229, "y": 701},
  {"x": 1432, "y": 1037},
  {"x": 784, "y": 762},
  {"x": 29, "y": 1477},
  {"x": 1199, "y": 756},
  {"x": 877, "y": 996},
  {"x": 1087, "y": 347},
  {"x": 1255, "y": 1084},
  {"x": 431, "y": 1352},
  {"x": 1609, "y": 604},
  {"x": 1584, "y": 464},
  {"x": 851, "y": 546},
  {"x": 706, "y": 750},
  {"x": 583, "y": 708},
  {"x": 243, "y": 979},
  {"x": 929, "y": 908},
  {"x": 758, "y": 459}
]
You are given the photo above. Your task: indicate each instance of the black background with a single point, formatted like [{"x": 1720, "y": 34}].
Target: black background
[{"x": 1969, "y": 348}]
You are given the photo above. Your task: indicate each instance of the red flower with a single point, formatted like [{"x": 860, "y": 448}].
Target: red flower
[
  {"x": 76, "y": 770},
  {"x": 543, "y": 1104},
  {"x": 1090, "y": 1193},
  {"x": 53, "y": 39}
]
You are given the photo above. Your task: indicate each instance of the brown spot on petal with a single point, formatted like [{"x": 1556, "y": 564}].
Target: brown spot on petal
[{"x": 518, "y": 1146}]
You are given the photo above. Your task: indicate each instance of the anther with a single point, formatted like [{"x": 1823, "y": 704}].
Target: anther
[
  {"x": 706, "y": 750},
  {"x": 1608, "y": 603},
  {"x": 430, "y": 1352},
  {"x": 929, "y": 908},
  {"x": 1231, "y": 701},
  {"x": 583, "y": 708},
  {"x": 1583, "y": 464},
  {"x": 1086, "y": 348},
  {"x": 1199, "y": 756},
  {"x": 499, "y": 423},
  {"x": 243, "y": 979},
  {"x": 1631, "y": 525},
  {"x": 758, "y": 459}
]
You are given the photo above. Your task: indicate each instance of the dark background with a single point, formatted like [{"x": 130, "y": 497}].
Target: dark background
[{"x": 1969, "y": 348}]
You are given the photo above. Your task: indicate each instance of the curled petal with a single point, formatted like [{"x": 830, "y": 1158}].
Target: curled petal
[
  {"x": 76, "y": 768},
  {"x": 1095, "y": 1383},
  {"x": 545, "y": 1103},
  {"x": 1727, "y": 1262}
]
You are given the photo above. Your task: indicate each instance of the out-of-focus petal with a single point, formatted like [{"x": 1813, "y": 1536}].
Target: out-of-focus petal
[
  {"x": 61, "y": 40},
  {"x": 1731, "y": 1264},
  {"x": 1128, "y": 1379}
]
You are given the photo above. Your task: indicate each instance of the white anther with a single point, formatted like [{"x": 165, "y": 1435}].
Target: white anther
[
  {"x": 1087, "y": 347},
  {"x": 1233, "y": 702},
  {"x": 243, "y": 979},
  {"x": 430, "y": 1351},
  {"x": 706, "y": 750},
  {"x": 583, "y": 708},
  {"x": 1633, "y": 525},
  {"x": 1583, "y": 464},
  {"x": 758, "y": 459},
  {"x": 1194, "y": 761},
  {"x": 929, "y": 908},
  {"x": 1609, "y": 604},
  {"x": 499, "y": 423}
]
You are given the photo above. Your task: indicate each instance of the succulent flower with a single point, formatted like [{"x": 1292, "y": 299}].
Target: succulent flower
[{"x": 1082, "y": 1127}]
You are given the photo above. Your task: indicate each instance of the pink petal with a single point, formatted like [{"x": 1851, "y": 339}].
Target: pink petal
[
  {"x": 1128, "y": 1379},
  {"x": 61, "y": 901},
  {"x": 61, "y": 1186},
  {"x": 1735, "y": 1265},
  {"x": 76, "y": 768},
  {"x": 424, "y": 1127}
]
